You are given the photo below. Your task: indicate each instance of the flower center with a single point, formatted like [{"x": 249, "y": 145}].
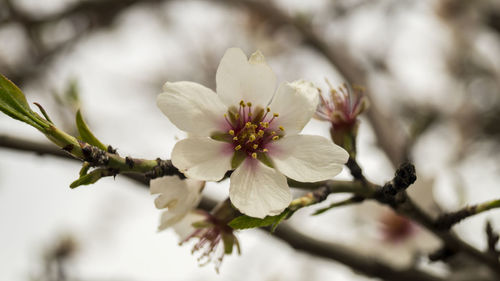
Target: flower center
[{"x": 251, "y": 130}]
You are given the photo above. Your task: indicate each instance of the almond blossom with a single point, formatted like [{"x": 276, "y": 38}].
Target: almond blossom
[
  {"x": 249, "y": 127},
  {"x": 178, "y": 196}
]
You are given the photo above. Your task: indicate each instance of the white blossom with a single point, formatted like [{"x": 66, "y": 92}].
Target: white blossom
[
  {"x": 249, "y": 127},
  {"x": 178, "y": 196}
]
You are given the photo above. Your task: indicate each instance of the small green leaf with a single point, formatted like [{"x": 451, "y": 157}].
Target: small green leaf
[
  {"x": 85, "y": 169},
  {"x": 228, "y": 240},
  {"x": 14, "y": 103},
  {"x": 42, "y": 110},
  {"x": 87, "y": 179},
  {"x": 244, "y": 222},
  {"x": 85, "y": 133},
  {"x": 219, "y": 136},
  {"x": 237, "y": 159},
  {"x": 92, "y": 177}
]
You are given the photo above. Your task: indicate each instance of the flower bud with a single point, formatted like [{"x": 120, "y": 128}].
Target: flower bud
[{"x": 342, "y": 108}]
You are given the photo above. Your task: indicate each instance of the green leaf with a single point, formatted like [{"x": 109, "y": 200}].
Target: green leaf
[
  {"x": 87, "y": 179},
  {"x": 14, "y": 103},
  {"x": 85, "y": 133},
  {"x": 244, "y": 222},
  {"x": 92, "y": 177}
]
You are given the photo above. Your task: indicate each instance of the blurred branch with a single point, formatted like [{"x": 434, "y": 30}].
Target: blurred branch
[
  {"x": 446, "y": 221},
  {"x": 349, "y": 257},
  {"x": 84, "y": 16},
  {"x": 492, "y": 240}
]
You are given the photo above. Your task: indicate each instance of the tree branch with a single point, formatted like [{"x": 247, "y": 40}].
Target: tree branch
[
  {"x": 447, "y": 220},
  {"x": 368, "y": 266}
]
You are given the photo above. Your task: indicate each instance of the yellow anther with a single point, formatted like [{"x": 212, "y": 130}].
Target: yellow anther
[
  {"x": 268, "y": 109},
  {"x": 249, "y": 114},
  {"x": 248, "y": 124},
  {"x": 242, "y": 103},
  {"x": 275, "y": 138},
  {"x": 225, "y": 115},
  {"x": 281, "y": 128},
  {"x": 235, "y": 138},
  {"x": 238, "y": 147},
  {"x": 273, "y": 133},
  {"x": 249, "y": 103},
  {"x": 255, "y": 146},
  {"x": 260, "y": 133},
  {"x": 265, "y": 150},
  {"x": 265, "y": 124},
  {"x": 231, "y": 132},
  {"x": 276, "y": 115},
  {"x": 254, "y": 155},
  {"x": 237, "y": 116},
  {"x": 251, "y": 138}
]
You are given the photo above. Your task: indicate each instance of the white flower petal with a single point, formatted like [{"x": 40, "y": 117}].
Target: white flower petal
[
  {"x": 241, "y": 79},
  {"x": 192, "y": 108},
  {"x": 202, "y": 158},
  {"x": 257, "y": 190},
  {"x": 170, "y": 218},
  {"x": 184, "y": 227},
  {"x": 176, "y": 193},
  {"x": 179, "y": 196},
  {"x": 295, "y": 103},
  {"x": 308, "y": 158}
]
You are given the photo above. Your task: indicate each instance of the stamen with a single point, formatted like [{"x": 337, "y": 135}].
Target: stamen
[
  {"x": 248, "y": 124},
  {"x": 265, "y": 150},
  {"x": 254, "y": 155},
  {"x": 276, "y": 138},
  {"x": 260, "y": 133},
  {"x": 249, "y": 104},
  {"x": 281, "y": 128},
  {"x": 242, "y": 103},
  {"x": 235, "y": 138},
  {"x": 255, "y": 146},
  {"x": 238, "y": 147},
  {"x": 231, "y": 132},
  {"x": 251, "y": 138},
  {"x": 227, "y": 120},
  {"x": 276, "y": 115}
]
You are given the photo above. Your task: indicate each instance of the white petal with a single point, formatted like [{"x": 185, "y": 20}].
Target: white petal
[
  {"x": 241, "y": 79},
  {"x": 295, "y": 103},
  {"x": 184, "y": 227},
  {"x": 192, "y": 107},
  {"x": 202, "y": 158},
  {"x": 179, "y": 196},
  {"x": 257, "y": 190},
  {"x": 176, "y": 193},
  {"x": 170, "y": 218},
  {"x": 308, "y": 158}
]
